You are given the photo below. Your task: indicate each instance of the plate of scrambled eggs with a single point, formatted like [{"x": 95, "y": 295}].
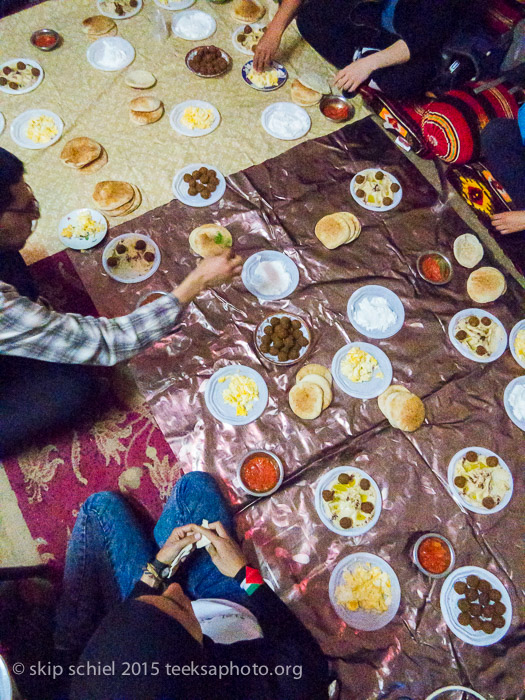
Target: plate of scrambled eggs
[
  {"x": 481, "y": 479},
  {"x": 517, "y": 342},
  {"x": 194, "y": 118},
  {"x": 236, "y": 395},
  {"x": 82, "y": 228},
  {"x": 364, "y": 591},
  {"x": 36, "y": 129},
  {"x": 269, "y": 79},
  {"x": 348, "y": 501},
  {"x": 362, "y": 370}
]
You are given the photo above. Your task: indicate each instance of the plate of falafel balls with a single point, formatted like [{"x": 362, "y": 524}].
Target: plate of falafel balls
[
  {"x": 376, "y": 190},
  {"x": 198, "y": 185},
  {"x": 283, "y": 338},
  {"x": 476, "y": 606}
]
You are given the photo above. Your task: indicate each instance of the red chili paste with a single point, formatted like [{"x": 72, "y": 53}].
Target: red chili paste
[
  {"x": 150, "y": 298},
  {"x": 434, "y": 555},
  {"x": 45, "y": 40},
  {"x": 434, "y": 269},
  {"x": 260, "y": 473},
  {"x": 335, "y": 111}
]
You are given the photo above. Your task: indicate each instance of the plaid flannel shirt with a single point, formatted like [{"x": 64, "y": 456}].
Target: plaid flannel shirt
[{"x": 28, "y": 329}]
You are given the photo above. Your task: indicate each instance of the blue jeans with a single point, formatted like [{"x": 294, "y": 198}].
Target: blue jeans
[{"x": 109, "y": 548}]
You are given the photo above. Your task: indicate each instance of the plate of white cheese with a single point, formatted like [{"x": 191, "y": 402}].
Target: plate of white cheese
[{"x": 376, "y": 311}]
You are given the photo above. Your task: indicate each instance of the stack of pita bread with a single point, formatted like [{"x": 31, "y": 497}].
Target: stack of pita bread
[
  {"x": 84, "y": 154},
  {"x": 486, "y": 284},
  {"x": 312, "y": 392},
  {"x": 99, "y": 27},
  {"x": 145, "y": 109},
  {"x": 247, "y": 10},
  {"x": 337, "y": 229},
  {"x": 115, "y": 198},
  {"x": 403, "y": 409},
  {"x": 308, "y": 88},
  {"x": 210, "y": 239}
]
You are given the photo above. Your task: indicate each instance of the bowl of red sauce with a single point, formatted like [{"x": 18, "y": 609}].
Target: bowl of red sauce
[
  {"x": 434, "y": 555},
  {"x": 45, "y": 39},
  {"x": 434, "y": 267},
  {"x": 336, "y": 108},
  {"x": 260, "y": 473},
  {"x": 149, "y": 297}
]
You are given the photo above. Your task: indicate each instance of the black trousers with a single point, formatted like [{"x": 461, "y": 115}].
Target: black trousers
[
  {"x": 38, "y": 399},
  {"x": 328, "y": 26},
  {"x": 504, "y": 154}
]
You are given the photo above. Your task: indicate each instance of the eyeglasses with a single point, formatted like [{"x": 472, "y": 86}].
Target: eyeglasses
[{"x": 32, "y": 208}]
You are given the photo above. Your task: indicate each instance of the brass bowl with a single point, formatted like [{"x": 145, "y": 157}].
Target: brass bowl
[
  {"x": 337, "y": 101},
  {"x": 45, "y": 32}
]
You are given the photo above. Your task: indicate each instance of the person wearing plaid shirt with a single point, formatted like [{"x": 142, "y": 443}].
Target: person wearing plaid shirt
[{"x": 44, "y": 380}]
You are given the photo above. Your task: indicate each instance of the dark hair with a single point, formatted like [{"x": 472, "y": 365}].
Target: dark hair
[{"x": 11, "y": 172}]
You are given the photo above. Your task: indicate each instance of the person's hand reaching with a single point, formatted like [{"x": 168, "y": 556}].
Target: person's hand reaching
[
  {"x": 266, "y": 49},
  {"x": 509, "y": 221},
  {"x": 210, "y": 272},
  {"x": 352, "y": 76},
  {"x": 225, "y": 553}
]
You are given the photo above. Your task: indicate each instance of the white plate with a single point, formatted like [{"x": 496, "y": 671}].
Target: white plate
[
  {"x": 478, "y": 509},
  {"x": 178, "y": 111},
  {"x": 395, "y": 303},
  {"x": 6, "y": 688},
  {"x": 363, "y": 390},
  {"x": 446, "y": 690},
  {"x": 140, "y": 278},
  {"x": 19, "y": 128},
  {"x": 366, "y": 620},
  {"x": 240, "y": 30},
  {"x": 280, "y": 110},
  {"x": 397, "y": 195},
  {"x": 282, "y": 76},
  {"x": 508, "y": 408},
  {"x": 113, "y": 15},
  {"x": 2, "y": 122},
  {"x": 175, "y": 4},
  {"x": 514, "y": 332},
  {"x": 96, "y": 51},
  {"x": 324, "y": 484},
  {"x": 30, "y": 88},
  {"x": 223, "y": 411},
  {"x": 82, "y": 243},
  {"x": 209, "y": 25},
  {"x": 448, "y": 601},
  {"x": 249, "y": 267},
  {"x": 465, "y": 351},
  {"x": 180, "y": 188}
]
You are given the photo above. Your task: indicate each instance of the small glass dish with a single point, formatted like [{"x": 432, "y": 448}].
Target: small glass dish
[
  {"x": 277, "y": 463},
  {"x": 259, "y": 333},
  {"x": 334, "y": 104},
  {"x": 150, "y": 296},
  {"x": 446, "y": 542},
  {"x": 444, "y": 264},
  {"x": 45, "y": 39}
]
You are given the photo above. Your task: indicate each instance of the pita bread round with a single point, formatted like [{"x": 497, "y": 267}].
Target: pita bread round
[
  {"x": 97, "y": 164},
  {"x": 315, "y": 82},
  {"x": 313, "y": 369},
  {"x": 332, "y": 231},
  {"x": 247, "y": 11},
  {"x": 353, "y": 223},
  {"x": 97, "y": 25},
  {"x": 321, "y": 382},
  {"x": 112, "y": 194},
  {"x": 486, "y": 284},
  {"x": 145, "y": 103},
  {"x": 468, "y": 251},
  {"x": 140, "y": 79},
  {"x": 80, "y": 151},
  {"x": 202, "y": 240},
  {"x": 126, "y": 209},
  {"x": 306, "y": 400},
  {"x": 304, "y": 96},
  {"x": 407, "y": 411},
  {"x": 143, "y": 118},
  {"x": 382, "y": 398}
]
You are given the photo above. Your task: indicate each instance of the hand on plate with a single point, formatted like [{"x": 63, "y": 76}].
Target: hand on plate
[
  {"x": 266, "y": 49},
  {"x": 225, "y": 553},
  {"x": 509, "y": 221},
  {"x": 353, "y": 75},
  {"x": 179, "y": 538}
]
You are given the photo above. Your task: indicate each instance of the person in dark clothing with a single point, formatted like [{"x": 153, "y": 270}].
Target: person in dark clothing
[
  {"x": 215, "y": 613},
  {"x": 503, "y": 151},
  {"x": 407, "y": 36},
  {"x": 45, "y": 384}
]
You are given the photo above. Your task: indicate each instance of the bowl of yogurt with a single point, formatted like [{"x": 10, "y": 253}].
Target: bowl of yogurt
[
  {"x": 376, "y": 312},
  {"x": 270, "y": 275},
  {"x": 514, "y": 401}
]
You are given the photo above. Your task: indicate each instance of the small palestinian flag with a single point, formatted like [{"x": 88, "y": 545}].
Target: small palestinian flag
[{"x": 252, "y": 580}]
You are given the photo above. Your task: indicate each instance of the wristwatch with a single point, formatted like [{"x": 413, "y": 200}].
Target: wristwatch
[{"x": 161, "y": 568}]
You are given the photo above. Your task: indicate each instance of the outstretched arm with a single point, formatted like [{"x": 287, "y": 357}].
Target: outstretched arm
[
  {"x": 269, "y": 44},
  {"x": 352, "y": 76}
]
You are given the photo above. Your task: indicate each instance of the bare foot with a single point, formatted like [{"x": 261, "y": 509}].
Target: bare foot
[{"x": 509, "y": 221}]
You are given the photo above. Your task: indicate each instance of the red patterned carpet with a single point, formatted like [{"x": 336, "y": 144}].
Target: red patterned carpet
[{"x": 123, "y": 450}]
